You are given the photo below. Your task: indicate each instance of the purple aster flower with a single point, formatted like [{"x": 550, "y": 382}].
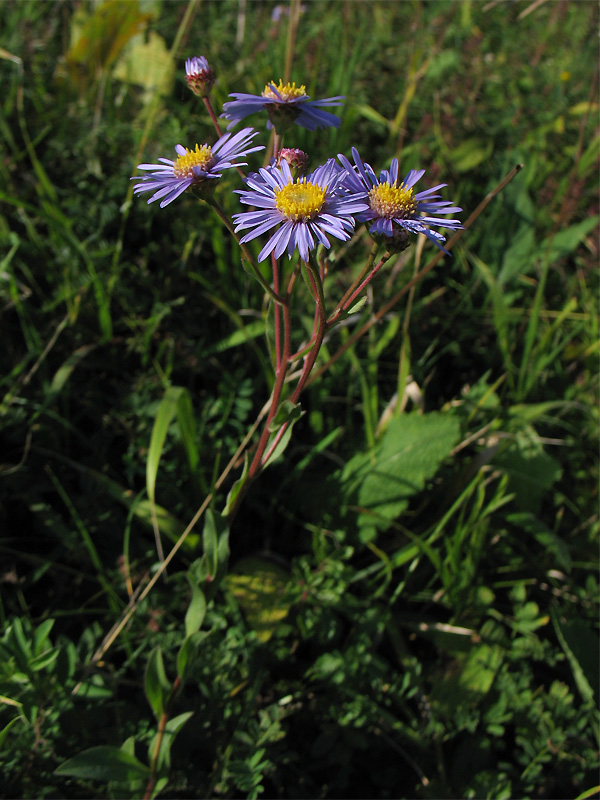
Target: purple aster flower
[
  {"x": 199, "y": 77},
  {"x": 194, "y": 167},
  {"x": 284, "y": 105},
  {"x": 394, "y": 208},
  {"x": 304, "y": 210}
]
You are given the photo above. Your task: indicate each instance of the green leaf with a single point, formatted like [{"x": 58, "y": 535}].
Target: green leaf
[
  {"x": 236, "y": 488},
  {"x": 287, "y": 412},
  {"x": 40, "y": 636},
  {"x": 187, "y": 654},
  {"x": 157, "y": 685},
  {"x": 210, "y": 540},
  {"x": 371, "y": 114},
  {"x": 567, "y": 241},
  {"x": 252, "y": 330},
  {"x": 176, "y": 400},
  {"x": 470, "y": 153},
  {"x": 379, "y": 483},
  {"x": 467, "y": 680},
  {"x": 147, "y": 64},
  {"x": 19, "y": 645},
  {"x": 196, "y": 610},
  {"x": 6, "y": 730},
  {"x": 104, "y": 763},
  {"x": 294, "y": 415},
  {"x": 187, "y": 426},
  {"x": 172, "y": 728},
  {"x": 576, "y": 636},
  {"x": 531, "y": 472}
]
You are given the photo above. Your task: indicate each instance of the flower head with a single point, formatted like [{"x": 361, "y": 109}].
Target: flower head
[
  {"x": 393, "y": 208},
  {"x": 285, "y": 104},
  {"x": 303, "y": 211},
  {"x": 194, "y": 167},
  {"x": 199, "y": 76}
]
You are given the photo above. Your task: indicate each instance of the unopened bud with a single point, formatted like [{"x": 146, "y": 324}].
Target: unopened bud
[
  {"x": 296, "y": 159},
  {"x": 199, "y": 76}
]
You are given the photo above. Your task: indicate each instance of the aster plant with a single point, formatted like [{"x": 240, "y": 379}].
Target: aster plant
[
  {"x": 302, "y": 215},
  {"x": 297, "y": 214}
]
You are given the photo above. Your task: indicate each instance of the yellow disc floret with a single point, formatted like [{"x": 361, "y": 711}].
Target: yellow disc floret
[
  {"x": 200, "y": 157},
  {"x": 287, "y": 92},
  {"x": 392, "y": 201},
  {"x": 300, "y": 201}
]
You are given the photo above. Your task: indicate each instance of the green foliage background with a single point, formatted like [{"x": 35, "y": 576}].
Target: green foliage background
[{"x": 411, "y": 604}]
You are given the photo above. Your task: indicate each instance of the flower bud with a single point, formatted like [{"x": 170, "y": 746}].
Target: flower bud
[
  {"x": 296, "y": 159},
  {"x": 199, "y": 76}
]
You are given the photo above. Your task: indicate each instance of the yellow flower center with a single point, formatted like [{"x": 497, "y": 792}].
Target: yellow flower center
[
  {"x": 200, "y": 157},
  {"x": 392, "y": 201},
  {"x": 300, "y": 201},
  {"x": 287, "y": 92}
]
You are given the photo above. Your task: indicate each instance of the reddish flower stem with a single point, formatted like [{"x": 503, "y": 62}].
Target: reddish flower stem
[{"x": 276, "y": 312}]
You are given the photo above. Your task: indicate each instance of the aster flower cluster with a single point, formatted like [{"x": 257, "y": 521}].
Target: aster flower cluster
[
  {"x": 304, "y": 211},
  {"x": 296, "y": 212}
]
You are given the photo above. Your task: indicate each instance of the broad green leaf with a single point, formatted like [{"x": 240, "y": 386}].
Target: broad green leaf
[
  {"x": 566, "y": 241},
  {"x": 466, "y": 680},
  {"x": 157, "y": 685},
  {"x": 259, "y": 586},
  {"x": 531, "y": 472},
  {"x": 552, "y": 544},
  {"x": 100, "y": 36},
  {"x": 104, "y": 763},
  {"x": 378, "y": 483},
  {"x": 148, "y": 64}
]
